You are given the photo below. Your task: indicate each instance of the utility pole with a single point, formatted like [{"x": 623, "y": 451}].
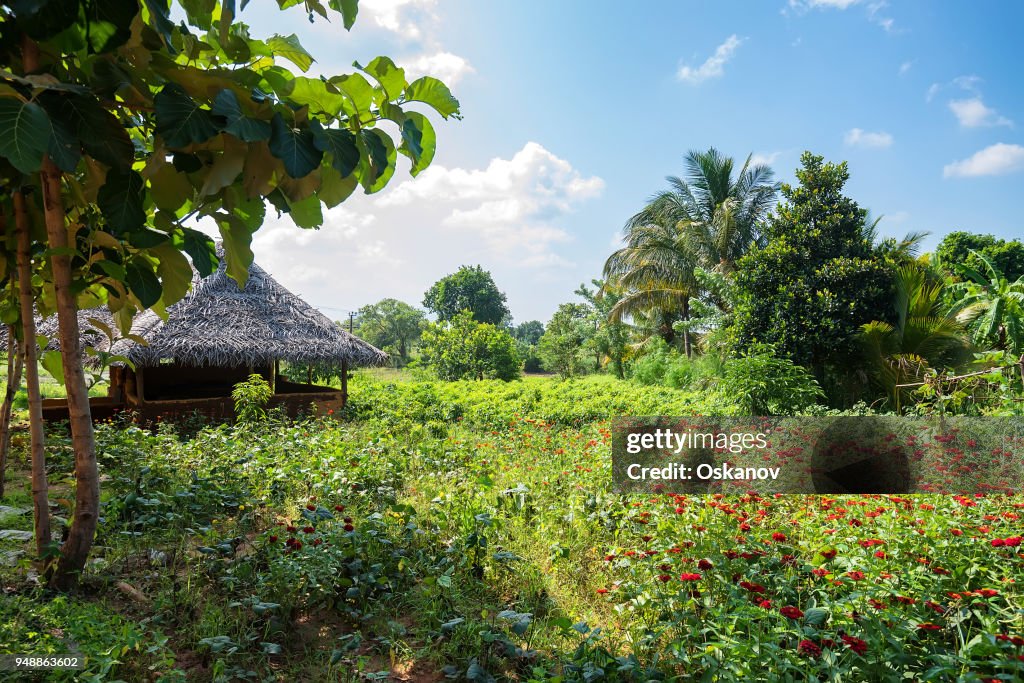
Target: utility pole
[{"x": 351, "y": 318}]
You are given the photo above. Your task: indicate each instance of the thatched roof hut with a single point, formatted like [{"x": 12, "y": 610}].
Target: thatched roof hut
[{"x": 218, "y": 335}]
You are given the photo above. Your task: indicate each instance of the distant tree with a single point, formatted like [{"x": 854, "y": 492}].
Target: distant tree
[
  {"x": 817, "y": 280},
  {"x": 562, "y": 346},
  {"x": 1006, "y": 255},
  {"x": 462, "y": 348},
  {"x": 529, "y": 332},
  {"x": 391, "y": 325},
  {"x": 610, "y": 339},
  {"x": 470, "y": 288}
]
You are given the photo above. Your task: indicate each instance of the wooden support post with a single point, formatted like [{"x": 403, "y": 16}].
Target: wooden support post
[
  {"x": 273, "y": 377},
  {"x": 139, "y": 386},
  {"x": 344, "y": 382}
]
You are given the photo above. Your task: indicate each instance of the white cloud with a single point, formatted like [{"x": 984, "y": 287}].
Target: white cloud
[
  {"x": 875, "y": 10},
  {"x": 403, "y": 17},
  {"x": 764, "y": 158},
  {"x": 972, "y": 113},
  {"x": 834, "y": 4},
  {"x": 858, "y": 137},
  {"x": 997, "y": 159},
  {"x": 449, "y": 67},
  {"x": 713, "y": 66},
  {"x": 905, "y": 67}
]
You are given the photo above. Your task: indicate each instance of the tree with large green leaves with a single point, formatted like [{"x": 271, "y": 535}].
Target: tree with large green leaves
[
  {"x": 120, "y": 126},
  {"x": 925, "y": 335},
  {"x": 991, "y": 305},
  {"x": 956, "y": 249}
]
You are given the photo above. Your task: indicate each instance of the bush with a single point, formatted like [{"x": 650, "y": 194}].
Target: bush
[
  {"x": 465, "y": 349},
  {"x": 251, "y": 397},
  {"x": 763, "y": 383}
]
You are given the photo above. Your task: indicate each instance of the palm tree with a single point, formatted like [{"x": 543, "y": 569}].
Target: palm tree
[
  {"x": 925, "y": 335},
  {"x": 709, "y": 220},
  {"x": 991, "y": 305}
]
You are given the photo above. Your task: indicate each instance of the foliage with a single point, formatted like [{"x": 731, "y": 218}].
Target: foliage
[
  {"x": 251, "y": 398},
  {"x": 709, "y": 220},
  {"x": 529, "y": 332},
  {"x": 991, "y": 305},
  {"x": 955, "y": 250},
  {"x": 764, "y": 383},
  {"x": 561, "y": 348},
  {"x": 470, "y": 288},
  {"x": 816, "y": 280},
  {"x": 462, "y": 348},
  {"x": 924, "y": 336},
  {"x": 610, "y": 338},
  {"x": 391, "y": 325}
]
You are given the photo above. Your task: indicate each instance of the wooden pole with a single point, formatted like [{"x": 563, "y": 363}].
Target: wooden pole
[{"x": 344, "y": 382}]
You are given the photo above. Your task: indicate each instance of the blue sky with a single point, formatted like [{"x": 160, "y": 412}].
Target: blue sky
[{"x": 576, "y": 111}]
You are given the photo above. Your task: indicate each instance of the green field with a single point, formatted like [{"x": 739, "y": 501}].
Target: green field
[{"x": 467, "y": 530}]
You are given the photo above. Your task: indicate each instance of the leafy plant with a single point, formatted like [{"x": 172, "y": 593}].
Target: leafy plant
[{"x": 251, "y": 398}]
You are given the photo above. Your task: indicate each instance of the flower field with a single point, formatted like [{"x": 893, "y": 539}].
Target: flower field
[{"x": 468, "y": 531}]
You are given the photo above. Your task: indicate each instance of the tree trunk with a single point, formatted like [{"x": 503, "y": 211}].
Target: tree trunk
[
  {"x": 76, "y": 548},
  {"x": 15, "y": 359},
  {"x": 40, "y": 488},
  {"x": 686, "y": 330}
]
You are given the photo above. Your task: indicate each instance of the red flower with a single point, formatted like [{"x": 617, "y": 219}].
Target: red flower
[
  {"x": 752, "y": 587},
  {"x": 339, "y": 508},
  {"x": 791, "y": 612},
  {"x": 778, "y": 537},
  {"x": 856, "y": 576},
  {"x": 705, "y": 565},
  {"x": 956, "y": 532},
  {"x": 856, "y": 644},
  {"x": 926, "y": 626},
  {"x": 998, "y": 543},
  {"x": 311, "y": 507},
  {"x": 291, "y": 529},
  {"x": 308, "y": 530},
  {"x": 602, "y": 591},
  {"x": 1012, "y": 541},
  {"x": 820, "y": 572},
  {"x": 317, "y": 541},
  {"x": 689, "y": 576},
  {"x": 272, "y": 539},
  {"x": 765, "y": 604},
  {"x": 349, "y": 527},
  {"x": 880, "y": 554},
  {"x": 829, "y": 554},
  {"x": 664, "y": 577},
  {"x": 987, "y": 592},
  {"x": 809, "y": 649}
]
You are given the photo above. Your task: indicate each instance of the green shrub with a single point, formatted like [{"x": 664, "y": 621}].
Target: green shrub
[
  {"x": 763, "y": 383},
  {"x": 251, "y": 397}
]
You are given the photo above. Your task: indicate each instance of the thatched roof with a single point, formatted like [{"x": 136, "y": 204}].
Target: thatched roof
[{"x": 218, "y": 324}]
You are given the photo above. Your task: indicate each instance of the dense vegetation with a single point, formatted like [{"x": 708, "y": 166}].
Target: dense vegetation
[{"x": 466, "y": 529}]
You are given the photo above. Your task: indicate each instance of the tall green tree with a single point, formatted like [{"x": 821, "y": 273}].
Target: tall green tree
[
  {"x": 610, "y": 339},
  {"x": 817, "y": 279},
  {"x": 991, "y": 305},
  {"x": 470, "y": 288},
  {"x": 118, "y": 126},
  {"x": 392, "y": 325},
  {"x": 709, "y": 219}
]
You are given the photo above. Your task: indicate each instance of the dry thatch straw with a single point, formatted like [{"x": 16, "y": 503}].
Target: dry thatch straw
[{"x": 218, "y": 324}]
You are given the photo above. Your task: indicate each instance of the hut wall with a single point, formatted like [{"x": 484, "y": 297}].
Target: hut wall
[{"x": 173, "y": 381}]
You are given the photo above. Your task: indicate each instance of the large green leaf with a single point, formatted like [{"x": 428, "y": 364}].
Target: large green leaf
[
  {"x": 25, "y": 132},
  {"x": 307, "y": 212},
  {"x": 358, "y": 91},
  {"x": 291, "y": 49},
  {"x": 170, "y": 188},
  {"x": 314, "y": 93},
  {"x": 142, "y": 282},
  {"x": 100, "y": 133},
  {"x": 180, "y": 121},
  {"x": 174, "y": 271},
  {"x": 241, "y": 126},
  {"x": 418, "y": 141},
  {"x": 161, "y": 12},
  {"x": 348, "y": 8},
  {"x": 340, "y": 143},
  {"x": 53, "y": 364},
  {"x": 237, "y": 238},
  {"x": 64, "y": 148},
  {"x": 43, "y": 19},
  {"x": 431, "y": 91},
  {"x": 293, "y": 147},
  {"x": 335, "y": 189},
  {"x": 390, "y": 76},
  {"x": 121, "y": 202},
  {"x": 201, "y": 249},
  {"x": 109, "y": 23},
  {"x": 377, "y": 161}
]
